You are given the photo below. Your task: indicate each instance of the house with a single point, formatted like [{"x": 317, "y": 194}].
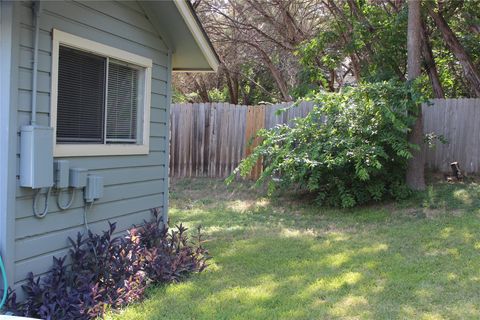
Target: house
[{"x": 84, "y": 118}]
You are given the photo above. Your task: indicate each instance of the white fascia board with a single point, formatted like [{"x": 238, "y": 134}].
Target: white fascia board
[{"x": 197, "y": 33}]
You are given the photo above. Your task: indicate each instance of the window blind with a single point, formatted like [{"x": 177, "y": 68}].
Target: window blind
[
  {"x": 122, "y": 103},
  {"x": 81, "y": 97}
]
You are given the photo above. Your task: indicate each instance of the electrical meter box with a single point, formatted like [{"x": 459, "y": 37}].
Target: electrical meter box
[
  {"x": 78, "y": 177},
  {"x": 36, "y": 156},
  {"x": 61, "y": 173},
  {"x": 94, "y": 188}
]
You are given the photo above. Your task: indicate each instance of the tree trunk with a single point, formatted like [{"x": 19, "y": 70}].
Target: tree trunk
[
  {"x": 469, "y": 70},
  {"x": 331, "y": 80},
  {"x": 357, "y": 12},
  {"x": 415, "y": 176},
  {"x": 277, "y": 76},
  {"x": 355, "y": 67},
  {"x": 232, "y": 85},
  {"x": 347, "y": 38},
  {"x": 201, "y": 89},
  {"x": 475, "y": 28},
  {"x": 247, "y": 95},
  {"x": 430, "y": 65}
]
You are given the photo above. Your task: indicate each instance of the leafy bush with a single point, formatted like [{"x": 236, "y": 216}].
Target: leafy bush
[
  {"x": 110, "y": 272},
  {"x": 351, "y": 149}
]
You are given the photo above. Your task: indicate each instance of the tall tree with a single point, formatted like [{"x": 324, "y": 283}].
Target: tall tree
[
  {"x": 415, "y": 176},
  {"x": 430, "y": 65},
  {"x": 472, "y": 75},
  {"x": 274, "y": 50},
  {"x": 256, "y": 41}
]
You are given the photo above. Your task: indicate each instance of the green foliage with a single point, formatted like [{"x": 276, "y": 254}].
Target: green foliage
[
  {"x": 179, "y": 97},
  {"x": 376, "y": 35},
  {"x": 461, "y": 17},
  {"x": 214, "y": 95},
  {"x": 351, "y": 149},
  {"x": 217, "y": 95}
]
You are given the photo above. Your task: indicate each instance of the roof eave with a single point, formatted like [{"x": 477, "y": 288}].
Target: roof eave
[{"x": 194, "y": 25}]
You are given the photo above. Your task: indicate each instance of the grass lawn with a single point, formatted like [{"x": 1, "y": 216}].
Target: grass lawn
[{"x": 287, "y": 259}]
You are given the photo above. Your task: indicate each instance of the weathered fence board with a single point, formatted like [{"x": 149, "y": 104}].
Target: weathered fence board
[
  {"x": 458, "y": 121},
  {"x": 255, "y": 121},
  {"x": 210, "y": 139},
  {"x": 206, "y": 139},
  {"x": 291, "y": 111}
]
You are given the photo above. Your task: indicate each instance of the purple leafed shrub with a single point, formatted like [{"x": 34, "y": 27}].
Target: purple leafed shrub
[{"x": 107, "y": 271}]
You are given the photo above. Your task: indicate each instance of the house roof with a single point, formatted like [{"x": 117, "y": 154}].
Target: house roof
[{"x": 182, "y": 31}]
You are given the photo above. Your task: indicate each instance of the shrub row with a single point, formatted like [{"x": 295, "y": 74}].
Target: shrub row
[
  {"x": 108, "y": 272},
  {"x": 350, "y": 150}
]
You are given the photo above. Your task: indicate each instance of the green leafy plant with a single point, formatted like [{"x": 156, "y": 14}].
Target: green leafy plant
[{"x": 351, "y": 149}]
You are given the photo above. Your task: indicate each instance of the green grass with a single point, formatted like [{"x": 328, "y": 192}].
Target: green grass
[{"x": 284, "y": 258}]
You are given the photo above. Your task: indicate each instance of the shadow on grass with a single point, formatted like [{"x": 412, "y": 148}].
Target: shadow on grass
[
  {"x": 276, "y": 260},
  {"x": 299, "y": 277}
]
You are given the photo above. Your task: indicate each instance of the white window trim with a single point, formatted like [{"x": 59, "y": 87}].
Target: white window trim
[{"x": 80, "y": 150}]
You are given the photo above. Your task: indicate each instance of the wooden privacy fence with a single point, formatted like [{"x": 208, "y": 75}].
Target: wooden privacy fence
[
  {"x": 210, "y": 139},
  {"x": 458, "y": 120}
]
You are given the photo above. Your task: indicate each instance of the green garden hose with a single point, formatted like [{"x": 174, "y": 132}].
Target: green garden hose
[{"x": 5, "y": 286}]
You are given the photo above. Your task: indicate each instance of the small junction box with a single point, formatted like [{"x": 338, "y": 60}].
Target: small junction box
[
  {"x": 94, "y": 188},
  {"x": 78, "y": 177},
  {"x": 61, "y": 173}
]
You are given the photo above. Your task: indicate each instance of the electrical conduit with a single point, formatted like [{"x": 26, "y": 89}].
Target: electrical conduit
[
  {"x": 36, "y": 16},
  {"x": 36, "y": 21}
]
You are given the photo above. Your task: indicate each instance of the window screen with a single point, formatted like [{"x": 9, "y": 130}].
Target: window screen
[
  {"x": 81, "y": 96},
  {"x": 97, "y": 99},
  {"x": 122, "y": 103}
]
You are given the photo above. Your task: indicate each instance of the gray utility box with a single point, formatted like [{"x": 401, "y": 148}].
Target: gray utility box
[
  {"x": 61, "y": 172},
  {"x": 36, "y": 157},
  {"x": 94, "y": 188},
  {"x": 78, "y": 177}
]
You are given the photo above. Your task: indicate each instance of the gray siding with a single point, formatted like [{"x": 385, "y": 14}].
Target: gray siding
[{"x": 133, "y": 184}]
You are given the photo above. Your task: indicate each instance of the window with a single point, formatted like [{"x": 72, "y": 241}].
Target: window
[{"x": 100, "y": 98}]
